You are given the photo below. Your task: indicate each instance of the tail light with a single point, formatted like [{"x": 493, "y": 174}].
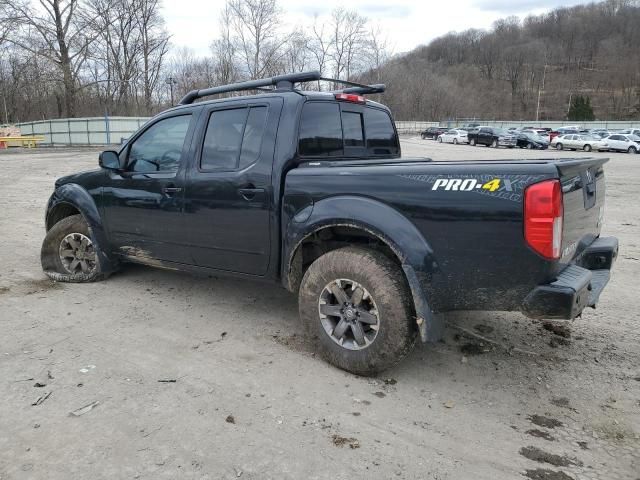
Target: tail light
[
  {"x": 350, "y": 97},
  {"x": 543, "y": 214}
]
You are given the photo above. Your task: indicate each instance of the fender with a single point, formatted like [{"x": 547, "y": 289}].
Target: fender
[
  {"x": 387, "y": 224},
  {"x": 74, "y": 195}
]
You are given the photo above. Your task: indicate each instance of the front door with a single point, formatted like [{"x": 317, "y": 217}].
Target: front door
[
  {"x": 229, "y": 194},
  {"x": 144, "y": 204}
]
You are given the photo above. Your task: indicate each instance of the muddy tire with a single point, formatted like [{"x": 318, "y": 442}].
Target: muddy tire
[
  {"x": 68, "y": 253},
  {"x": 355, "y": 305}
]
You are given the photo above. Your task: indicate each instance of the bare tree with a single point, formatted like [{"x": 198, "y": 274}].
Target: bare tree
[
  {"x": 154, "y": 44},
  {"x": 224, "y": 51},
  {"x": 348, "y": 36},
  {"x": 256, "y": 24},
  {"x": 55, "y": 31}
]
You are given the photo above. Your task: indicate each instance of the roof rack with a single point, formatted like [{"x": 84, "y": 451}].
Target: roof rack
[{"x": 280, "y": 82}]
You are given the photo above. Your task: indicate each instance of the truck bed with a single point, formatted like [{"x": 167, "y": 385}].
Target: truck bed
[{"x": 480, "y": 258}]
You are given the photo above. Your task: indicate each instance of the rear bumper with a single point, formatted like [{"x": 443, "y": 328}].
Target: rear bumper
[{"x": 578, "y": 286}]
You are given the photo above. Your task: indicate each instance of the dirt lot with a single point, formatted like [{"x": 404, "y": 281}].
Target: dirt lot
[{"x": 210, "y": 378}]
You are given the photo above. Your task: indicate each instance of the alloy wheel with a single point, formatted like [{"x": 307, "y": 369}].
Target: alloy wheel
[
  {"x": 77, "y": 254},
  {"x": 349, "y": 314}
]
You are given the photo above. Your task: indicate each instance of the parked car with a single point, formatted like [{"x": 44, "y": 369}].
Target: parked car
[
  {"x": 532, "y": 141},
  {"x": 562, "y": 131},
  {"x": 630, "y": 131},
  {"x": 623, "y": 143},
  {"x": 308, "y": 190},
  {"x": 491, "y": 137},
  {"x": 469, "y": 126},
  {"x": 432, "y": 132},
  {"x": 579, "y": 142},
  {"x": 600, "y": 132},
  {"x": 454, "y": 136},
  {"x": 537, "y": 131}
]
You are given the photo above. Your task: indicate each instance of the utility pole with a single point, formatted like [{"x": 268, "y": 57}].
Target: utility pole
[
  {"x": 6, "y": 113},
  {"x": 171, "y": 82},
  {"x": 540, "y": 90}
]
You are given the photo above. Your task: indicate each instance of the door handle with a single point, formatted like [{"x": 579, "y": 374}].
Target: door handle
[
  {"x": 170, "y": 190},
  {"x": 250, "y": 192}
]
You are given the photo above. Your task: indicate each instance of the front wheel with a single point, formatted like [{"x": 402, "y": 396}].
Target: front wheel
[
  {"x": 439, "y": 139},
  {"x": 355, "y": 303},
  {"x": 632, "y": 150},
  {"x": 68, "y": 253},
  {"x": 455, "y": 141},
  {"x": 587, "y": 148},
  {"x": 494, "y": 144},
  {"x": 472, "y": 142},
  {"x": 529, "y": 146},
  {"x": 558, "y": 146}
]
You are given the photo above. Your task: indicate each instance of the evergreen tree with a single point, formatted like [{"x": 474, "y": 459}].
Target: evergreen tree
[{"x": 581, "y": 110}]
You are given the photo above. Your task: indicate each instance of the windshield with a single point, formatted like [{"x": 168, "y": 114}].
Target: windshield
[{"x": 634, "y": 138}]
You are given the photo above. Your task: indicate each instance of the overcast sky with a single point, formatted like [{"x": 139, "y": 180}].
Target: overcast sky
[{"x": 407, "y": 23}]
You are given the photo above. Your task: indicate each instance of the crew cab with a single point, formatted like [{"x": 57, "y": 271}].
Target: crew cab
[
  {"x": 491, "y": 137},
  {"x": 309, "y": 190}
]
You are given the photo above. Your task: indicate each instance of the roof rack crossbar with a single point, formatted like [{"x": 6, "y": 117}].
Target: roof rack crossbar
[
  {"x": 281, "y": 82},
  {"x": 354, "y": 87}
]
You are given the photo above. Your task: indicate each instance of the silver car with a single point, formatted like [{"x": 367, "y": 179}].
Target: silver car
[
  {"x": 623, "y": 143},
  {"x": 579, "y": 142}
]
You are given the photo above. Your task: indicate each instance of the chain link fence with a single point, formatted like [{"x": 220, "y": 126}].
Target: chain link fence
[
  {"x": 83, "y": 131},
  {"x": 113, "y": 130}
]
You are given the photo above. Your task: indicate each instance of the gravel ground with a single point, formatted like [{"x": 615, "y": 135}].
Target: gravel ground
[{"x": 210, "y": 378}]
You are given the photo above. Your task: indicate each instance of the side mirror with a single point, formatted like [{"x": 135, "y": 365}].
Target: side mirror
[{"x": 109, "y": 160}]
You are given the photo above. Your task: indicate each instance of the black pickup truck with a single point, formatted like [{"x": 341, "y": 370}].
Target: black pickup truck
[
  {"x": 309, "y": 189},
  {"x": 491, "y": 137}
]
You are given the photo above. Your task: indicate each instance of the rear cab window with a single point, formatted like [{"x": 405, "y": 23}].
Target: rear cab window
[{"x": 341, "y": 129}]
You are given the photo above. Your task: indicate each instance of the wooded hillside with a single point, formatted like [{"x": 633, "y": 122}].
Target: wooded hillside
[{"x": 591, "y": 50}]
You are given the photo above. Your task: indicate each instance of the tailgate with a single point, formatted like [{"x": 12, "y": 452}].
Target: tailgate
[{"x": 583, "y": 191}]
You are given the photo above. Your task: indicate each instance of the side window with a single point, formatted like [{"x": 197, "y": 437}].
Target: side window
[
  {"x": 252, "y": 138},
  {"x": 233, "y": 138},
  {"x": 352, "y": 128},
  {"x": 320, "y": 130},
  {"x": 381, "y": 137},
  {"x": 159, "y": 148}
]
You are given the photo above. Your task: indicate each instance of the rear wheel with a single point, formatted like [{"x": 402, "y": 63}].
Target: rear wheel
[
  {"x": 529, "y": 146},
  {"x": 632, "y": 150},
  {"x": 494, "y": 144},
  {"x": 68, "y": 253},
  {"x": 587, "y": 148},
  {"x": 455, "y": 141},
  {"x": 472, "y": 142},
  {"x": 355, "y": 304},
  {"x": 439, "y": 139},
  {"x": 559, "y": 146}
]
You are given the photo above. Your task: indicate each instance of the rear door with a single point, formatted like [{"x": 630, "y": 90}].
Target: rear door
[{"x": 229, "y": 194}]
